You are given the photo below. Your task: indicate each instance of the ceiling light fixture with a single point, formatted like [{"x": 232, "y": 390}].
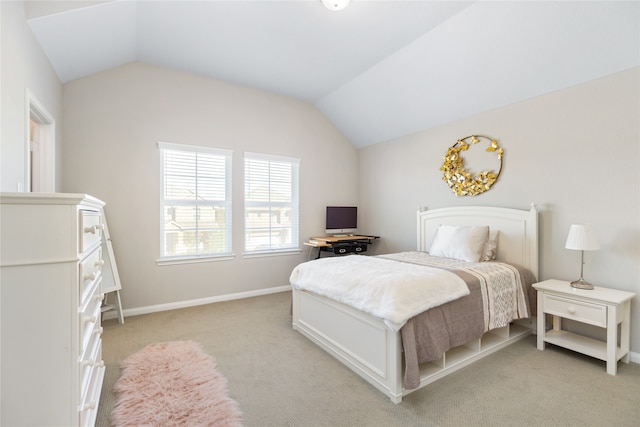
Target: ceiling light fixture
[{"x": 335, "y": 5}]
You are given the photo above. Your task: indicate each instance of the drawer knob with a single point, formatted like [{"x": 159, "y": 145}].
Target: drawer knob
[
  {"x": 98, "y": 331},
  {"x": 99, "y": 297},
  {"x": 99, "y": 263},
  {"x": 91, "y": 229},
  {"x": 93, "y": 363},
  {"x": 88, "y": 406},
  {"x": 89, "y": 319},
  {"x": 90, "y": 276},
  {"x": 571, "y": 310}
]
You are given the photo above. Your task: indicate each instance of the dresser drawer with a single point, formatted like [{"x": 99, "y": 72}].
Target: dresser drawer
[
  {"x": 90, "y": 229},
  {"x": 91, "y": 360},
  {"x": 593, "y": 314},
  {"x": 88, "y": 407},
  {"x": 89, "y": 315},
  {"x": 90, "y": 269}
]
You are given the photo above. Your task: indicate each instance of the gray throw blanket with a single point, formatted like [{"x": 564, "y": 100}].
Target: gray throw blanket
[{"x": 429, "y": 335}]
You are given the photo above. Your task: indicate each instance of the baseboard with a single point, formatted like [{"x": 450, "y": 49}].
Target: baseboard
[
  {"x": 633, "y": 357},
  {"x": 195, "y": 302}
]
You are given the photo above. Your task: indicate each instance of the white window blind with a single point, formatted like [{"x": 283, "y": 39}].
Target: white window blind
[
  {"x": 270, "y": 203},
  {"x": 195, "y": 201}
]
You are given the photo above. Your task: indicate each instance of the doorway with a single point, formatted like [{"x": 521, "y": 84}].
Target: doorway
[{"x": 39, "y": 148}]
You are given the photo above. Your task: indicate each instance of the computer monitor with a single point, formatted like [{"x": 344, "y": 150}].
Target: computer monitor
[{"x": 341, "y": 219}]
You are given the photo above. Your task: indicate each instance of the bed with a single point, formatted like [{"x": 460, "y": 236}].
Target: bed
[{"x": 398, "y": 355}]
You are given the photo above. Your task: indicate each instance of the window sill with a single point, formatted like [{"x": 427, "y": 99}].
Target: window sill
[
  {"x": 194, "y": 260},
  {"x": 258, "y": 254}
]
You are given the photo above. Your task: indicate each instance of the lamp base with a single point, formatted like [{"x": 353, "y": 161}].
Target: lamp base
[{"x": 581, "y": 284}]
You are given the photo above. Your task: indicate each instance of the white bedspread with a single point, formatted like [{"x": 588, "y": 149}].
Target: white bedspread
[
  {"x": 503, "y": 297},
  {"x": 387, "y": 289}
]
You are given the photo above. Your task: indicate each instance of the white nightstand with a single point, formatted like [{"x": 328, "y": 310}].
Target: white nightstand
[{"x": 601, "y": 307}]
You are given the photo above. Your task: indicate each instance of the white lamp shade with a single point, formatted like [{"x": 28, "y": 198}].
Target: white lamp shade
[
  {"x": 335, "y": 4},
  {"x": 582, "y": 237}
]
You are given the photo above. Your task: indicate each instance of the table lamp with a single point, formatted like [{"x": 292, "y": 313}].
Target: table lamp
[{"x": 582, "y": 237}]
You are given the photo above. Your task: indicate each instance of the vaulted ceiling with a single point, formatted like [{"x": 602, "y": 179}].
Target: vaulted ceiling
[{"x": 377, "y": 69}]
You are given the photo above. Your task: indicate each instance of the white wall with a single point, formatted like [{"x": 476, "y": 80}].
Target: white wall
[
  {"x": 112, "y": 123},
  {"x": 575, "y": 153},
  {"x": 23, "y": 67}
]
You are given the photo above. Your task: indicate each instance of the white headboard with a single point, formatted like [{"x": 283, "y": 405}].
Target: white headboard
[{"x": 517, "y": 237}]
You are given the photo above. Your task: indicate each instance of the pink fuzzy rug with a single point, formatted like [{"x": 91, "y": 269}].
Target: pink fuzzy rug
[{"x": 173, "y": 384}]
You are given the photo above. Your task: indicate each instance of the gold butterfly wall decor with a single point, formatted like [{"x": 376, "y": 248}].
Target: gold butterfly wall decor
[{"x": 461, "y": 182}]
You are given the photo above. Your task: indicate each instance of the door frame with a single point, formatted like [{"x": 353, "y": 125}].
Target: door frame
[{"x": 40, "y": 150}]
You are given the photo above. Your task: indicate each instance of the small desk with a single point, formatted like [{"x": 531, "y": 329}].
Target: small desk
[
  {"x": 601, "y": 307},
  {"x": 341, "y": 245}
]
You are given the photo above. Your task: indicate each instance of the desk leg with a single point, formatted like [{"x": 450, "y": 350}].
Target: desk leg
[{"x": 311, "y": 253}]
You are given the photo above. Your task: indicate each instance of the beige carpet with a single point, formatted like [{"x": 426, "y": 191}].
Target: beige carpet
[
  {"x": 280, "y": 378},
  {"x": 173, "y": 384}
]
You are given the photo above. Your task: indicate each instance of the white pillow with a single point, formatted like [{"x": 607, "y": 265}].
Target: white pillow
[
  {"x": 490, "y": 246},
  {"x": 462, "y": 243}
]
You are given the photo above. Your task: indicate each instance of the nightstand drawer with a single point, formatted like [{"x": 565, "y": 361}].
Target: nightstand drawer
[{"x": 593, "y": 314}]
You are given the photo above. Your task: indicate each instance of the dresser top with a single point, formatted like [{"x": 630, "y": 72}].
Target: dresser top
[{"x": 50, "y": 199}]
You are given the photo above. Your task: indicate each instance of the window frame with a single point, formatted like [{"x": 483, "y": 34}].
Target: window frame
[
  {"x": 227, "y": 253},
  {"x": 294, "y": 247}
]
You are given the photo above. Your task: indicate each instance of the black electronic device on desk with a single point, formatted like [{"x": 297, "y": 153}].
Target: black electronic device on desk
[{"x": 343, "y": 248}]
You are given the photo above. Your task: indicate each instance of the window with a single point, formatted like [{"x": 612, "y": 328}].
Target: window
[
  {"x": 270, "y": 203},
  {"x": 195, "y": 201}
]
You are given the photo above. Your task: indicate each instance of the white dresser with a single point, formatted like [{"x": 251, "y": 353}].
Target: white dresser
[{"x": 50, "y": 298}]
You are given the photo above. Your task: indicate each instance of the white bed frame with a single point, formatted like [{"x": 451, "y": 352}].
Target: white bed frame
[{"x": 374, "y": 351}]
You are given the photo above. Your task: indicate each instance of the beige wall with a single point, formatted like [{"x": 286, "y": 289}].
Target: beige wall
[
  {"x": 575, "y": 153},
  {"x": 112, "y": 123},
  {"x": 24, "y": 67}
]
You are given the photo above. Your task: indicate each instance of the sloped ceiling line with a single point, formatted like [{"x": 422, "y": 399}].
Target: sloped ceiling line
[{"x": 377, "y": 69}]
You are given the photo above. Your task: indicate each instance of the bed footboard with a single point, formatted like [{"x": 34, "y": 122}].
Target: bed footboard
[
  {"x": 363, "y": 343},
  {"x": 374, "y": 351}
]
